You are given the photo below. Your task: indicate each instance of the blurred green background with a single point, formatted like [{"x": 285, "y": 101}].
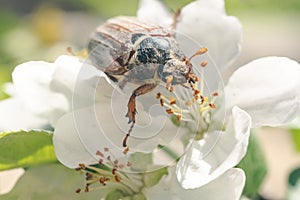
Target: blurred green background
[{"x": 42, "y": 30}]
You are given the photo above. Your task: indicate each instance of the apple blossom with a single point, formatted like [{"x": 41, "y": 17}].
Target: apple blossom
[{"x": 206, "y": 143}]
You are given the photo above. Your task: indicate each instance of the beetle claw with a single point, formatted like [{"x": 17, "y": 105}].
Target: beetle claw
[{"x": 131, "y": 117}]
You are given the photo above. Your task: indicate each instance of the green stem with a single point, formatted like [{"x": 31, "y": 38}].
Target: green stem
[{"x": 169, "y": 151}]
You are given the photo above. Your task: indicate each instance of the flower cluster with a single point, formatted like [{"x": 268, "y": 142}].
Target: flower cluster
[{"x": 75, "y": 98}]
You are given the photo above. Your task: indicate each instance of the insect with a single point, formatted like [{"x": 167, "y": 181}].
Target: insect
[{"x": 129, "y": 50}]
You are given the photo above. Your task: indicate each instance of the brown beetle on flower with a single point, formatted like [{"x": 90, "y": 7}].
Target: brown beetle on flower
[{"x": 131, "y": 50}]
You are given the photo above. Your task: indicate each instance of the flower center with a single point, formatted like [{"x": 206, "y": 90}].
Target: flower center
[{"x": 190, "y": 110}]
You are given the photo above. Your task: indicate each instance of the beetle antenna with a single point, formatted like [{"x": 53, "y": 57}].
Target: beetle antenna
[{"x": 200, "y": 51}]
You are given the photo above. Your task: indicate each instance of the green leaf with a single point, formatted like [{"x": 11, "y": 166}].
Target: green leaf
[
  {"x": 114, "y": 194},
  {"x": 294, "y": 177},
  {"x": 140, "y": 161},
  {"x": 139, "y": 196},
  {"x": 7, "y": 21},
  {"x": 51, "y": 182},
  {"x": 294, "y": 185},
  {"x": 152, "y": 178},
  {"x": 169, "y": 152},
  {"x": 25, "y": 149},
  {"x": 110, "y": 8},
  {"x": 176, "y": 5},
  {"x": 254, "y": 165},
  {"x": 3, "y": 95},
  {"x": 296, "y": 138}
]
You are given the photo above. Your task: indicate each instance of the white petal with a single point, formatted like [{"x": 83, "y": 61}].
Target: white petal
[
  {"x": 9, "y": 178},
  {"x": 228, "y": 186},
  {"x": 65, "y": 74},
  {"x": 32, "y": 86},
  {"x": 197, "y": 168},
  {"x": 14, "y": 115},
  {"x": 208, "y": 25},
  {"x": 68, "y": 146},
  {"x": 154, "y": 11},
  {"x": 268, "y": 89},
  {"x": 80, "y": 134},
  {"x": 78, "y": 81},
  {"x": 31, "y": 79},
  {"x": 33, "y": 72}
]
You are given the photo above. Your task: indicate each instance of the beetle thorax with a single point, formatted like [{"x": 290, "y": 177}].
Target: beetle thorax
[{"x": 161, "y": 56}]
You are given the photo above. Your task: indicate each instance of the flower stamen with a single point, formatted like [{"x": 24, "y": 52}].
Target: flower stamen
[
  {"x": 204, "y": 63},
  {"x": 107, "y": 170},
  {"x": 195, "y": 106},
  {"x": 199, "y": 52}
]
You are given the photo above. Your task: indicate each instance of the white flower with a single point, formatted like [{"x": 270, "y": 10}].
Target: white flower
[
  {"x": 207, "y": 159},
  {"x": 267, "y": 88},
  {"x": 194, "y": 169},
  {"x": 68, "y": 140},
  {"x": 270, "y": 97},
  {"x": 41, "y": 92}
]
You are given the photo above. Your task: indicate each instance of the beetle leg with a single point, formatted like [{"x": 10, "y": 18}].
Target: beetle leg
[
  {"x": 184, "y": 85},
  {"x": 123, "y": 82},
  {"x": 169, "y": 81},
  {"x": 132, "y": 107}
]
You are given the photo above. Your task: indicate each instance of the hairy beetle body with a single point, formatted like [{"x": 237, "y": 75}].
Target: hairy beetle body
[
  {"x": 129, "y": 50},
  {"x": 125, "y": 44}
]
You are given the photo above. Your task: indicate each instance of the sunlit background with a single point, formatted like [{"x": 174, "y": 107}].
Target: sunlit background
[{"x": 42, "y": 30}]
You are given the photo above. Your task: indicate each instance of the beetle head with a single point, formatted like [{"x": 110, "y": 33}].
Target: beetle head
[{"x": 179, "y": 70}]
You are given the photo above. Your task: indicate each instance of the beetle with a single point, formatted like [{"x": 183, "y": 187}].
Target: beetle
[{"x": 129, "y": 50}]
